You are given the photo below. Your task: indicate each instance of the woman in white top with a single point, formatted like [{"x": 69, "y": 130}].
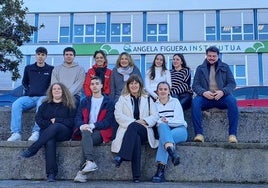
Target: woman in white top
[
  {"x": 172, "y": 129},
  {"x": 136, "y": 115},
  {"x": 157, "y": 73}
]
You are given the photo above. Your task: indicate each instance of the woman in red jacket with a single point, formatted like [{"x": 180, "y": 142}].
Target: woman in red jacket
[{"x": 99, "y": 69}]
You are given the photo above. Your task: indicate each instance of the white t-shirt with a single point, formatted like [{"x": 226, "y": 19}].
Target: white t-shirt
[{"x": 95, "y": 109}]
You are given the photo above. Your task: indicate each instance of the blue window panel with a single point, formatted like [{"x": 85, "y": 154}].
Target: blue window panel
[
  {"x": 248, "y": 28},
  {"x": 115, "y": 39},
  {"x": 240, "y": 70},
  {"x": 162, "y": 28},
  {"x": 225, "y": 37},
  {"x": 64, "y": 31},
  {"x": 78, "y": 29},
  {"x": 237, "y": 37},
  {"x": 248, "y": 36},
  {"x": 237, "y": 29},
  {"x": 263, "y": 36},
  {"x": 151, "y": 38},
  {"x": 100, "y": 39},
  {"x": 162, "y": 38},
  {"x": 126, "y": 39},
  {"x": 89, "y": 39},
  {"x": 241, "y": 81},
  {"x": 126, "y": 29},
  {"x": 90, "y": 29},
  {"x": 151, "y": 29},
  {"x": 115, "y": 29},
  {"x": 100, "y": 29},
  {"x": 210, "y": 37},
  {"x": 225, "y": 30},
  {"x": 210, "y": 30},
  {"x": 78, "y": 39},
  {"x": 263, "y": 28},
  {"x": 64, "y": 40}
]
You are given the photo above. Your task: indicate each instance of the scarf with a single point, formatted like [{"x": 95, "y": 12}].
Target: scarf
[
  {"x": 100, "y": 72},
  {"x": 125, "y": 71}
]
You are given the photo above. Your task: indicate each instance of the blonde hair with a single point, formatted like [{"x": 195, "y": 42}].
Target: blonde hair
[
  {"x": 67, "y": 98},
  {"x": 129, "y": 58},
  {"x": 131, "y": 79}
]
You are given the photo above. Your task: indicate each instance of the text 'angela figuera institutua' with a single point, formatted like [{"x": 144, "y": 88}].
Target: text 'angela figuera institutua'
[{"x": 146, "y": 27}]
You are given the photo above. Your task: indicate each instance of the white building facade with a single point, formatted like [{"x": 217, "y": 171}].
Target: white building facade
[{"x": 147, "y": 27}]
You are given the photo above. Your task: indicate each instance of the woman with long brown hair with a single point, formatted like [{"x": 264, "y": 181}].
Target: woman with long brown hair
[{"x": 55, "y": 118}]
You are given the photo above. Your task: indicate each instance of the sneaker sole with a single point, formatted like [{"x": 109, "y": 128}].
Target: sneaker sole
[
  {"x": 86, "y": 171},
  {"x": 80, "y": 181}
]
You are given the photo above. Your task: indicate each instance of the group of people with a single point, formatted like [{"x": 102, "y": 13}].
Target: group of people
[{"x": 120, "y": 108}]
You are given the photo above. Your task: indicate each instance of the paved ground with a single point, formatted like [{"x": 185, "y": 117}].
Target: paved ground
[{"x": 121, "y": 184}]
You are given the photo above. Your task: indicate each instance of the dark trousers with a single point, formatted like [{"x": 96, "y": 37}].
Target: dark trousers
[
  {"x": 88, "y": 141},
  {"x": 135, "y": 136},
  {"x": 56, "y": 132},
  {"x": 185, "y": 100}
]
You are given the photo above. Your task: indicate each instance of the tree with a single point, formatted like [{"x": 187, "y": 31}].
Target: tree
[{"x": 14, "y": 32}]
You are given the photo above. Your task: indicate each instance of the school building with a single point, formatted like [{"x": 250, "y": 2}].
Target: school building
[{"x": 146, "y": 27}]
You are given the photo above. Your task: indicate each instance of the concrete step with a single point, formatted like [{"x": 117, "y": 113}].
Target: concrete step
[
  {"x": 200, "y": 162},
  {"x": 121, "y": 184},
  {"x": 252, "y": 128},
  {"x": 212, "y": 161}
]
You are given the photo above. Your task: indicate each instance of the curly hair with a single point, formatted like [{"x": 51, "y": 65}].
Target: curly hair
[{"x": 67, "y": 98}]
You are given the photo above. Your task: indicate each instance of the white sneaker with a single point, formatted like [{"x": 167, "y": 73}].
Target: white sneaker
[
  {"x": 89, "y": 167},
  {"x": 14, "y": 137},
  {"x": 34, "y": 137},
  {"x": 80, "y": 177}
]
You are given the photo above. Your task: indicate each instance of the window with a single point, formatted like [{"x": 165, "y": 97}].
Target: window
[
  {"x": 210, "y": 33},
  {"x": 236, "y": 25},
  {"x": 226, "y": 33},
  {"x": 239, "y": 72},
  {"x": 121, "y": 32},
  {"x": 78, "y": 33},
  {"x": 237, "y": 32},
  {"x": 248, "y": 31},
  {"x": 100, "y": 32},
  {"x": 157, "y": 32},
  {"x": 64, "y": 34},
  {"x": 262, "y": 15},
  {"x": 263, "y": 31},
  {"x": 86, "y": 33}
]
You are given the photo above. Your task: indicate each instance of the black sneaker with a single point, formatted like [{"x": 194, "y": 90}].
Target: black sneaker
[{"x": 51, "y": 178}]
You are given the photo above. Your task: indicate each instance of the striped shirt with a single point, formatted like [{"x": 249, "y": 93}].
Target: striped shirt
[{"x": 180, "y": 81}]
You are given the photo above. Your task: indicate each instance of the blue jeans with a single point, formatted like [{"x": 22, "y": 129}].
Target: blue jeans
[
  {"x": 169, "y": 134},
  {"x": 200, "y": 103},
  {"x": 21, "y": 104}
]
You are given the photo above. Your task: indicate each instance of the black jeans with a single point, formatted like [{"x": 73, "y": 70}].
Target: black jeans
[
  {"x": 185, "y": 99},
  {"x": 56, "y": 132},
  {"x": 135, "y": 136}
]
